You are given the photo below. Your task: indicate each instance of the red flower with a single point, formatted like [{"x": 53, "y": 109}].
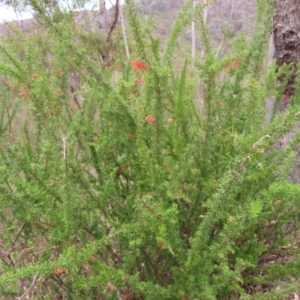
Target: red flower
[
  {"x": 52, "y": 112},
  {"x": 285, "y": 97},
  {"x": 120, "y": 169},
  {"x": 233, "y": 65},
  {"x": 60, "y": 271},
  {"x": 117, "y": 67},
  {"x": 150, "y": 119},
  {"x": 129, "y": 134},
  {"x": 139, "y": 81},
  {"x": 56, "y": 92},
  {"x": 24, "y": 93},
  {"x": 137, "y": 65},
  {"x": 35, "y": 76},
  {"x": 60, "y": 72}
]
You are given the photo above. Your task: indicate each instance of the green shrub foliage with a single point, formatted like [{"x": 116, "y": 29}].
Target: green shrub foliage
[{"x": 138, "y": 181}]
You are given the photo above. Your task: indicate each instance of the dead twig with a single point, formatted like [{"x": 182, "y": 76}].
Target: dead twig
[
  {"x": 18, "y": 234},
  {"x": 115, "y": 21},
  {"x": 29, "y": 289}
]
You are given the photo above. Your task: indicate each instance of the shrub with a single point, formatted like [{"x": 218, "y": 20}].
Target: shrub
[{"x": 159, "y": 184}]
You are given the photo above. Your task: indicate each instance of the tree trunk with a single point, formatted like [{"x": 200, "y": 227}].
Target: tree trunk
[
  {"x": 286, "y": 39},
  {"x": 124, "y": 33},
  {"x": 102, "y": 7},
  {"x": 286, "y": 29},
  {"x": 193, "y": 37},
  {"x": 205, "y": 13}
]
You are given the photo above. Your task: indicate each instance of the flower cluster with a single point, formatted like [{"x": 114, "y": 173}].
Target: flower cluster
[
  {"x": 139, "y": 81},
  {"x": 35, "y": 76},
  {"x": 24, "y": 93},
  {"x": 233, "y": 65},
  {"x": 285, "y": 97},
  {"x": 150, "y": 119},
  {"x": 137, "y": 65}
]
